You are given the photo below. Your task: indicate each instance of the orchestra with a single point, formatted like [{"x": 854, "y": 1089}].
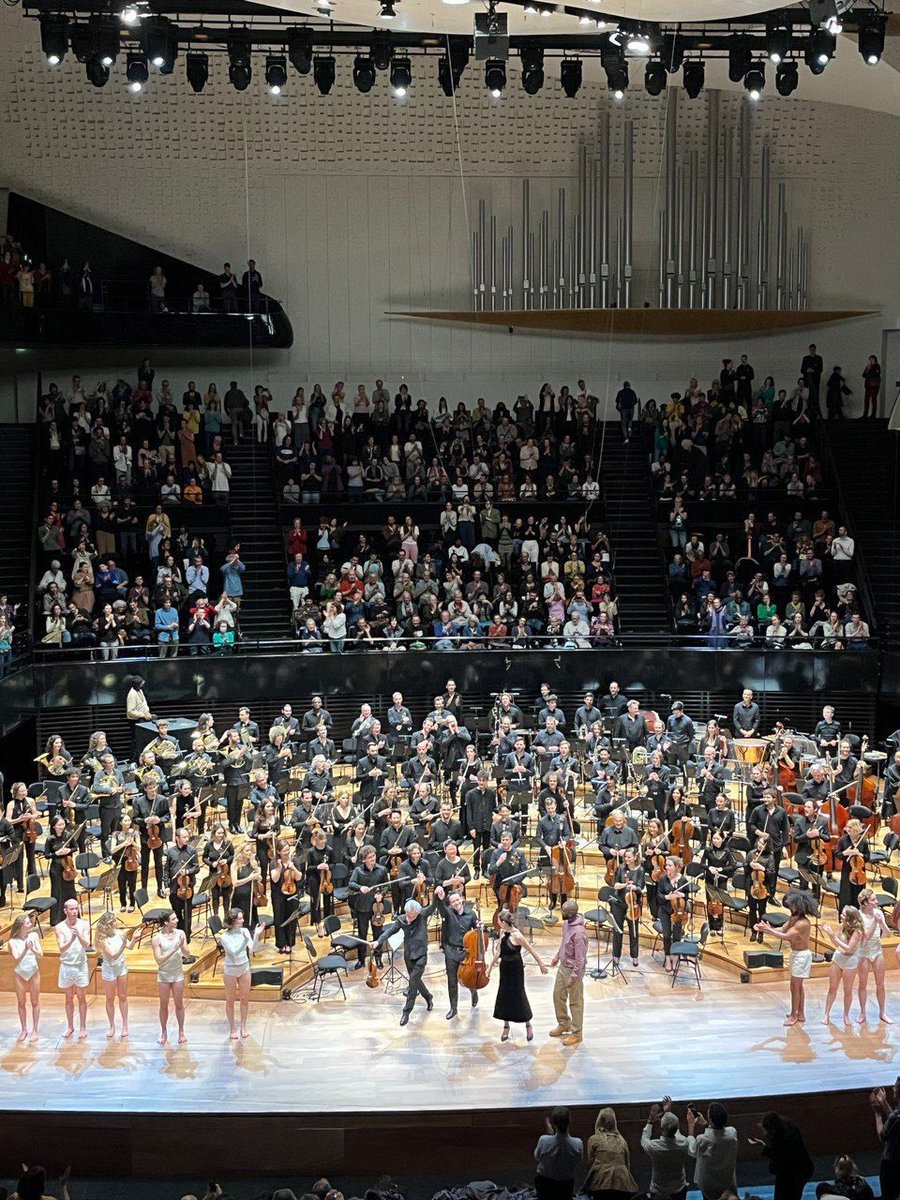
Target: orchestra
[{"x": 609, "y": 805}]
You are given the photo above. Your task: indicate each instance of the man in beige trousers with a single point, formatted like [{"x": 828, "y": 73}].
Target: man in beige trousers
[{"x": 568, "y": 990}]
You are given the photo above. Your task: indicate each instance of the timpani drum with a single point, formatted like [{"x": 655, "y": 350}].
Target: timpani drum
[{"x": 750, "y": 750}]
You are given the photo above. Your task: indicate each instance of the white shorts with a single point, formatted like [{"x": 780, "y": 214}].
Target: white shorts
[
  {"x": 847, "y": 962},
  {"x": 73, "y": 976},
  {"x": 110, "y": 972},
  {"x": 801, "y": 964},
  {"x": 236, "y": 972}
]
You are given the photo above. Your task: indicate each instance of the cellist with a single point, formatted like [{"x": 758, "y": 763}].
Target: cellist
[
  {"x": 626, "y": 907},
  {"x": 615, "y": 840},
  {"x": 458, "y": 921},
  {"x": 506, "y": 862}
]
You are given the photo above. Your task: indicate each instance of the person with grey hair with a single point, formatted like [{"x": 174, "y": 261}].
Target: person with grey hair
[
  {"x": 668, "y": 1153},
  {"x": 413, "y": 925}
]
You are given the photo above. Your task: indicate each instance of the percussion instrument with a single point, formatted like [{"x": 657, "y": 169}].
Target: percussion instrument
[
  {"x": 806, "y": 761},
  {"x": 750, "y": 750}
]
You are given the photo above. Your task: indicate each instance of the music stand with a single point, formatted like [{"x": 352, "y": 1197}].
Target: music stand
[
  {"x": 393, "y": 978},
  {"x": 597, "y": 917},
  {"x": 9, "y": 860},
  {"x": 714, "y": 893},
  {"x": 294, "y": 918}
]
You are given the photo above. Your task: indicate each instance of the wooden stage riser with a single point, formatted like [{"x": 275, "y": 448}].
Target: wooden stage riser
[{"x": 463, "y": 1145}]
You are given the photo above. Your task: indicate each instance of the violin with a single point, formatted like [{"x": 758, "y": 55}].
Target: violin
[
  {"x": 69, "y": 871},
  {"x": 633, "y": 905},
  {"x": 658, "y": 866},
  {"x": 714, "y": 909},
  {"x": 562, "y": 881},
  {"x": 508, "y": 897},
  {"x": 270, "y": 849},
  {"x": 473, "y": 969},
  {"x": 288, "y": 880},
  {"x": 131, "y": 860},
  {"x": 223, "y": 873},
  {"x": 372, "y": 979},
  {"x": 154, "y": 841},
  {"x": 758, "y": 889},
  {"x": 682, "y": 832},
  {"x": 376, "y": 917},
  {"x": 858, "y": 865},
  {"x": 259, "y": 893},
  {"x": 326, "y": 883},
  {"x": 185, "y": 888},
  {"x": 29, "y": 833},
  {"x": 678, "y": 903}
]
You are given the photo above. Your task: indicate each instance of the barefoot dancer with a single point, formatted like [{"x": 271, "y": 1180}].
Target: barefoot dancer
[
  {"x": 73, "y": 937},
  {"x": 801, "y": 906},
  {"x": 238, "y": 946},
  {"x": 112, "y": 945},
  {"x": 871, "y": 954},
  {"x": 169, "y": 945},
  {"x": 26, "y": 950},
  {"x": 845, "y": 960}
]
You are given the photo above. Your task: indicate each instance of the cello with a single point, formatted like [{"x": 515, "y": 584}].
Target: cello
[
  {"x": 562, "y": 881},
  {"x": 682, "y": 832},
  {"x": 473, "y": 969},
  {"x": 508, "y": 896}
]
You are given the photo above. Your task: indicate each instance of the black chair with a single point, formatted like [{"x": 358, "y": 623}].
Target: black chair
[
  {"x": 340, "y": 874},
  {"x": 38, "y": 904},
  {"x": 150, "y": 917},
  {"x": 215, "y": 927},
  {"x": 888, "y": 897},
  {"x": 691, "y": 953},
  {"x": 331, "y": 964},
  {"x": 739, "y": 842},
  {"x": 344, "y": 942},
  {"x": 891, "y": 842},
  {"x": 87, "y": 884}
]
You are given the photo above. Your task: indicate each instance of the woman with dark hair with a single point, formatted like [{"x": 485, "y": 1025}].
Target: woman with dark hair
[
  {"x": 556, "y": 1158},
  {"x": 789, "y": 1160},
  {"x": 33, "y": 1181},
  {"x": 512, "y": 1004}
]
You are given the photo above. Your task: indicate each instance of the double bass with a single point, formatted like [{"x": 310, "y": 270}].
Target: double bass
[
  {"x": 473, "y": 969},
  {"x": 562, "y": 881}
]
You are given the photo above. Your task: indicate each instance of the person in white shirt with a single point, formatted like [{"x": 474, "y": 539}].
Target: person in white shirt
[
  {"x": 843, "y": 546},
  {"x": 238, "y": 947},
  {"x": 714, "y": 1144},
  {"x": 73, "y": 938},
  {"x": 668, "y": 1153},
  {"x": 53, "y": 574},
  {"x": 557, "y": 1156},
  {"x": 25, "y": 948}
]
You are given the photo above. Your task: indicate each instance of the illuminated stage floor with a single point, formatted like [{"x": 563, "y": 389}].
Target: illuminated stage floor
[{"x": 352, "y": 1057}]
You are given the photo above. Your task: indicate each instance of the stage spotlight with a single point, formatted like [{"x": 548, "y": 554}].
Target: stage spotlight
[
  {"x": 495, "y": 77},
  {"x": 654, "y": 78},
  {"x": 81, "y": 42},
  {"x": 276, "y": 73},
  {"x": 755, "y": 80},
  {"x": 323, "y": 72},
  {"x": 694, "y": 77},
  {"x": 54, "y": 38},
  {"x": 532, "y": 69},
  {"x": 450, "y": 68},
  {"x": 672, "y": 52},
  {"x": 617, "y": 80},
  {"x": 106, "y": 40},
  {"x": 363, "y": 73},
  {"x": 197, "y": 67},
  {"x": 638, "y": 42},
  {"x": 130, "y": 14},
  {"x": 240, "y": 69},
  {"x": 299, "y": 48},
  {"x": 160, "y": 43},
  {"x": 871, "y": 37},
  {"x": 97, "y": 72},
  {"x": 401, "y": 77},
  {"x": 822, "y": 44},
  {"x": 388, "y": 12},
  {"x": 570, "y": 72},
  {"x": 739, "y": 58},
  {"x": 786, "y": 78},
  {"x": 777, "y": 42},
  {"x": 382, "y": 50},
  {"x": 136, "y": 72}
]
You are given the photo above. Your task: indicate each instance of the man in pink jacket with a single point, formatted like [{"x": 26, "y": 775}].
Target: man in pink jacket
[{"x": 568, "y": 990}]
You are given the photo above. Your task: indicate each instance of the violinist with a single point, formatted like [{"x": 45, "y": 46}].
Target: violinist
[
  {"x": 504, "y": 823},
  {"x": 301, "y": 819},
  {"x": 852, "y": 852},
  {"x": 246, "y": 877},
  {"x": 626, "y": 907},
  {"x": 445, "y": 828},
  {"x": 188, "y": 810},
  {"x": 755, "y": 788},
  {"x": 235, "y": 759},
  {"x": 673, "y": 900},
  {"x": 72, "y": 800},
  {"x": 384, "y": 804},
  {"x": 770, "y": 819},
  {"x": 656, "y": 782},
  {"x": 339, "y": 818},
  {"x": 353, "y": 846},
  {"x": 7, "y": 842},
  {"x": 423, "y": 808},
  {"x": 451, "y": 873},
  {"x": 284, "y": 876},
  {"x": 480, "y": 802},
  {"x": 58, "y": 847},
  {"x": 152, "y": 815},
  {"x": 21, "y": 813},
  {"x": 551, "y": 790},
  {"x": 654, "y": 850},
  {"x": 180, "y": 867},
  {"x": 125, "y": 847},
  {"x": 457, "y": 922},
  {"x": 718, "y": 867},
  {"x": 505, "y": 863},
  {"x": 812, "y": 835},
  {"x": 319, "y": 860},
  {"x": 108, "y": 786},
  {"x": 761, "y": 881},
  {"x": 366, "y": 876},
  {"x": 721, "y": 818},
  {"x": 264, "y": 832},
  {"x": 395, "y": 842},
  {"x": 216, "y": 851},
  {"x": 553, "y": 827},
  {"x": 262, "y": 790},
  {"x": 415, "y": 875},
  {"x": 615, "y": 840}
]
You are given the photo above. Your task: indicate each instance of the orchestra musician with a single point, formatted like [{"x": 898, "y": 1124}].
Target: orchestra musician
[
  {"x": 719, "y": 866},
  {"x": 746, "y": 716},
  {"x": 480, "y": 802},
  {"x": 657, "y": 777},
  {"x": 445, "y": 828},
  {"x": 680, "y": 731},
  {"x": 218, "y": 850},
  {"x": 616, "y": 838},
  {"x": 180, "y": 867},
  {"x": 371, "y": 771},
  {"x": 189, "y": 812},
  {"x": 107, "y": 787},
  {"x": 245, "y": 876},
  {"x": 356, "y": 840},
  {"x": 851, "y": 846},
  {"x": 827, "y": 733},
  {"x": 153, "y": 811},
  {"x": 235, "y": 760},
  {"x": 458, "y": 921},
  {"x": 321, "y": 743},
  {"x": 317, "y": 714},
  {"x": 711, "y": 777},
  {"x": 56, "y": 760},
  {"x": 420, "y": 767},
  {"x": 124, "y": 837},
  {"x": 148, "y": 768},
  {"x": 631, "y": 726},
  {"x": 399, "y": 720},
  {"x": 319, "y": 859},
  {"x": 714, "y": 738},
  {"x": 415, "y": 875},
  {"x": 246, "y": 728},
  {"x": 585, "y": 716},
  {"x": 163, "y": 746},
  {"x": 770, "y": 819},
  {"x": 760, "y": 890},
  {"x": 629, "y": 880},
  {"x": 672, "y": 895},
  {"x": 72, "y": 800},
  {"x": 339, "y": 819},
  {"x": 506, "y": 709},
  {"x": 654, "y": 844},
  {"x": 721, "y": 819},
  {"x": 890, "y": 798},
  {"x": 58, "y": 848},
  {"x": 21, "y": 813},
  {"x": 365, "y": 877},
  {"x": 97, "y": 747},
  {"x": 7, "y": 842},
  {"x": 264, "y": 832},
  {"x": 506, "y": 862},
  {"x": 318, "y": 778},
  {"x": 284, "y": 879},
  {"x": 504, "y": 823},
  {"x": 518, "y": 770},
  {"x": 451, "y": 872},
  {"x": 422, "y": 809},
  {"x": 811, "y": 832}
]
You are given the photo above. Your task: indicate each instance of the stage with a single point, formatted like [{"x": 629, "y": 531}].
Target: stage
[{"x": 349, "y": 1072}]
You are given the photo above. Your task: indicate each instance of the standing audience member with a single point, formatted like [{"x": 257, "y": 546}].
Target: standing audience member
[
  {"x": 609, "y": 1161},
  {"x": 556, "y": 1159},
  {"x": 668, "y": 1153},
  {"x": 789, "y": 1160}
]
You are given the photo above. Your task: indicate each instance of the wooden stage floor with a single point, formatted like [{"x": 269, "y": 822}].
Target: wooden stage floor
[{"x": 346, "y": 1057}]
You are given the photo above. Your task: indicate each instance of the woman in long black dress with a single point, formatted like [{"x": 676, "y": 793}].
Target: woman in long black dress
[
  {"x": 245, "y": 874},
  {"x": 285, "y": 878},
  {"x": 511, "y": 1005},
  {"x": 58, "y": 847},
  {"x": 853, "y": 844},
  {"x": 318, "y": 857}
]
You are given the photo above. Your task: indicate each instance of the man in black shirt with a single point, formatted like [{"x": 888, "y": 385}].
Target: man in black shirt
[
  {"x": 72, "y": 797},
  {"x": 413, "y": 924},
  {"x": 180, "y": 862},
  {"x": 812, "y": 368},
  {"x": 420, "y": 766},
  {"x": 445, "y": 828},
  {"x": 371, "y": 770},
  {"x": 505, "y": 863},
  {"x": 457, "y": 923},
  {"x": 631, "y": 726},
  {"x": 366, "y": 876},
  {"x": 746, "y": 716},
  {"x": 680, "y": 729},
  {"x": 586, "y": 715},
  {"x": 769, "y": 819},
  {"x": 613, "y": 704},
  {"x": 827, "y": 733},
  {"x": 151, "y": 809},
  {"x": 315, "y": 715},
  {"x": 552, "y": 709},
  {"x": 416, "y": 871},
  {"x": 504, "y": 823},
  {"x": 480, "y": 801},
  {"x": 811, "y": 833}
]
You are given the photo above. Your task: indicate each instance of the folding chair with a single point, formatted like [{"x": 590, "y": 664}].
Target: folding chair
[
  {"x": 690, "y": 952},
  {"x": 39, "y": 904},
  {"x": 331, "y": 964}
]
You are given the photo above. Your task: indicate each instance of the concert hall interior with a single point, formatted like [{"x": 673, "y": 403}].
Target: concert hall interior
[{"x": 449, "y": 600}]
